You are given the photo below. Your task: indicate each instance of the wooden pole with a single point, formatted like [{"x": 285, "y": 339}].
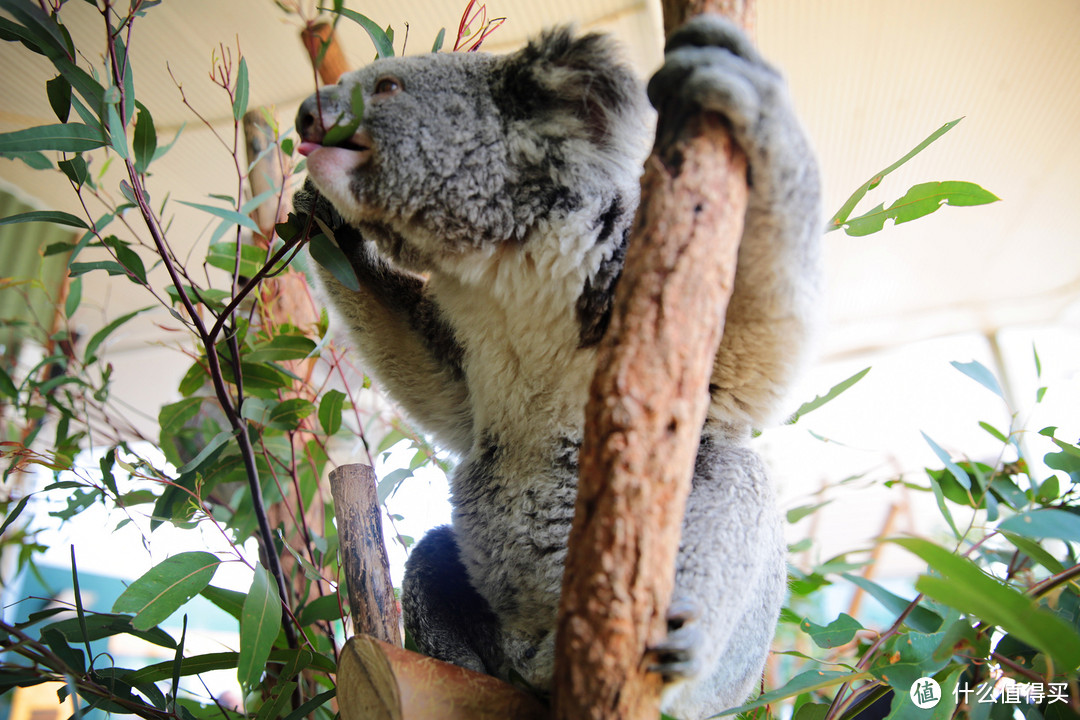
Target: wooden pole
[
  {"x": 377, "y": 681},
  {"x": 363, "y": 554},
  {"x": 644, "y": 415},
  {"x": 333, "y": 64}
]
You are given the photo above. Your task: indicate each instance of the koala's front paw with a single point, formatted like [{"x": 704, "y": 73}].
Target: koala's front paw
[
  {"x": 679, "y": 654},
  {"x": 709, "y": 64}
]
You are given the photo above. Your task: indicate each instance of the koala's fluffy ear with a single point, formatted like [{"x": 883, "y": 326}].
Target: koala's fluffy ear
[{"x": 558, "y": 75}]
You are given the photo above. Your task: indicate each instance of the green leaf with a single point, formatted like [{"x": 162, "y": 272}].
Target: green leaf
[
  {"x": 960, "y": 475},
  {"x": 1034, "y": 551},
  {"x": 223, "y": 256},
  {"x": 102, "y": 625},
  {"x": 312, "y": 705},
  {"x": 287, "y": 414},
  {"x": 195, "y": 665},
  {"x": 75, "y": 169},
  {"x": 112, "y": 267},
  {"x": 809, "y": 681},
  {"x": 260, "y": 622},
  {"x": 215, "y": 444},
  {"x": 145, "y": 141},
  {"x": 117, "y": 130},
  {"x": 330, "y": 408},
  {"x": 275, "y": 705},
  {"x": 281, "y": 347},
  {"x": 980, "y": 374},
  {"x": 325, "y": 608},
  {"x": 172, "y": 418},
  {"x": 231, "y": 601},
  {"x": 839, "y": 632},
  {"x": 829, "y": 396},
  {"x": 919, "y": 201},
  {"x": 51, "y": 216},
  {"x": 90, "y": 354},
  {"x": 228, "y": 214},
  {"x": 920, "y": 618},
  {"x": 165, "y": 587},
  {"x": 965, "y": 587},
  {"x": 14, "y": 513},
  {"x": 136, "y": 271},
  {"x": 1045, "y": 523},
  {"x": 383, "y": 47},
  {"x": 59, "y": 91},
  {"x": 240, "y": 99},
  {"x": 844, "y": 212},
  {"x": 69, "y": 137},
  {"x": 74, "y": 297},
  {"x": 331, "y": 257},
  {"x": 796, "y": 514}
]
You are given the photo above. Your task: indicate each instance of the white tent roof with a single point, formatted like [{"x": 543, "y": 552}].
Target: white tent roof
[{"x": 871, "y": 81}]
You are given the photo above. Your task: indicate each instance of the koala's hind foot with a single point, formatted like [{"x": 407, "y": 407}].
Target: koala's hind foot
[
  {"x": 445, "y": 617},
  {"x": 679, "y": 654}
]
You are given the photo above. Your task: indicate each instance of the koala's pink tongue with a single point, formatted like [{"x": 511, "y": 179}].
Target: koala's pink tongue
[{"x": 306, "y": 148}]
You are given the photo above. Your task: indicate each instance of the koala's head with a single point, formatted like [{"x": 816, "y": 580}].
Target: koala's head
[{"x": 460, "y": 152}]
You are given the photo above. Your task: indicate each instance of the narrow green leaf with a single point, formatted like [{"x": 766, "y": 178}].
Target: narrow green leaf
[
  {"x": 964, "y": 586},
  {"x": 90, "y": 354},
  {"x": 383, "y": 47},
  {"x": 796, "y": 514},
  {"x": 195, "y": 665},
  {"x": 117, "y": 131},
  {"x": 231, "y": 601},
  {"x": 1035, "y": 551},
  {"x": 330, "y": 256},
  {"x": 829, "y": 396},
  {"x": 102, "y": 625},
  {"x": 165, "y": 587},
  {"x": 274, "y": 707},
  {"x": 145, "y": 140},
  {"x": 74, "y": 297},
  {"x": 920, "y": 618},
  {"x": 839, "y": 632},
  {"x": 172, "y": 417},
  {"x": 260, "y": 622},
  {"x": 312, "y": 705},
  {"x": 960, "y": 475},
  {"x": 439, "y": 40},
  {"x": 131, "y": 261},
  {"x": 51, "y": 216},
  {"x": 14, "y": 513},
  {"x": 980, "y": 374},
  {"x": 77, "y": 269},
  {"x": 997, "y": 434},
  {"x": 215, "y": 444},
  {"x": 177, "y": 666},
  {"x": 226, "y": 214},
  {"x": 844, "y": 212},
  {"x": 330, "y": 407},
  {"x": 920, "y": 200},
  {"x": 281, "y": 347},
  {"x": 1045, "y": 523},
  {"x": 809, "y": 681},
  {"x": 240, "y": 96},
  {"x": 69, "y": 137},
  {"x": 59, "y": 91}
]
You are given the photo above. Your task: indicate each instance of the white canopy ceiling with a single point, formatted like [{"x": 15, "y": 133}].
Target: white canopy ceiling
[{"x": 871, "y": 81}]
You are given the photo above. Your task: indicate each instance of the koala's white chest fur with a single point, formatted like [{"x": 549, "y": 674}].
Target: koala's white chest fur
[{"x": 515, "y": 318}]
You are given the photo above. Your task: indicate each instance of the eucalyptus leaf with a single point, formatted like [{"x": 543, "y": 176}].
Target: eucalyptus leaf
[
  {"x": 68, "y": 137},
  {"x": 51, "y": 216},
  {"x": 164, "y": 588},
  {"x": 331, "y": 257},
  {"x": 260, "y": 621}
]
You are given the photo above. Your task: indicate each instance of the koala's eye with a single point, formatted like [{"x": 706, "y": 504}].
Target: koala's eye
[{"x": 388, "y": 86}]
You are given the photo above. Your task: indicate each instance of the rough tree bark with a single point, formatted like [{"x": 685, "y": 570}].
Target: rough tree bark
[{"x": 646, "y": 407}]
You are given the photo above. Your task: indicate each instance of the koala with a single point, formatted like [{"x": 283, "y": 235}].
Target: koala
[{"x": 485, "y": 204}]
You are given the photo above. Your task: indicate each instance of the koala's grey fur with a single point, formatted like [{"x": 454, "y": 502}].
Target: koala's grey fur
[{"x": 485, "y": 204}]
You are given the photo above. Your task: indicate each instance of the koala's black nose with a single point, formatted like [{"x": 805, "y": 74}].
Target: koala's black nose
[{"x": 308, "y": 123}]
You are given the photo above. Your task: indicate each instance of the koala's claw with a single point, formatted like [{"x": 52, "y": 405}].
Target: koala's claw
[
  {"x": 678, "y": 655},
  {"x": 709, "y": 64}
]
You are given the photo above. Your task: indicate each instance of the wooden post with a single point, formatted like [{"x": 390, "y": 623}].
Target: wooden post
[
  {"x": 363, "y": 554},
  {"x": 376, "y": 681},
  {"x": 333, "y": 64},
  {"x": 644, "y": 415}
]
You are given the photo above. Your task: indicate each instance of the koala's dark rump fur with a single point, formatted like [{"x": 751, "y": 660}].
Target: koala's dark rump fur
[{"x": 487, "y": 222}]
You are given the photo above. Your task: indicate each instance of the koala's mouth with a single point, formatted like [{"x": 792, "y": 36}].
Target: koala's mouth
[{"x": 360, "y": 144}]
